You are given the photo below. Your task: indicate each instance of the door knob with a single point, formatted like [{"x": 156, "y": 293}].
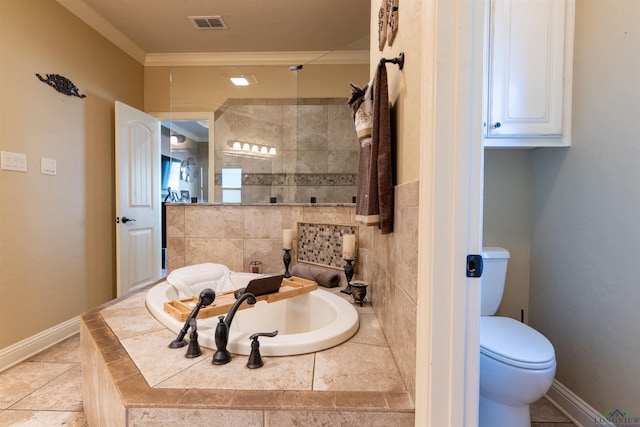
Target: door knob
[
  {"x": 126, "y": 220},
  {"x": 497, "y": 125}
]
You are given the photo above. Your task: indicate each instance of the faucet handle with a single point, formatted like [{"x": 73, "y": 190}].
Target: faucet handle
[
  {"x": 263, "y": 334},
  {"x": 255, "y": 359}
]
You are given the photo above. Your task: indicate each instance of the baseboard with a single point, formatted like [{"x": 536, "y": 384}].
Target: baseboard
[
  {"x": 576, "y": 409},
  {"x": 33, "y": 345}
]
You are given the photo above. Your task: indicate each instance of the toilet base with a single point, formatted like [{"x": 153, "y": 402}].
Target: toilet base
[{"x": 494, "y": 414}]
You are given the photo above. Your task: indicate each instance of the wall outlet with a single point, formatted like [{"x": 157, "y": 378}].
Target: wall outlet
[
  {"x": 13, "y": 161},
  {"x": 47, "y": 166}
]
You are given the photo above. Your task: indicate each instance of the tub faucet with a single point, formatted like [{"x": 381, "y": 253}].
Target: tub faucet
[{"x": 222, "y": 355}]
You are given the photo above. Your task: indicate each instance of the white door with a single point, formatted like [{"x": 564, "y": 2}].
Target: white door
[
  {"x": 450, "y": 226},
  {"x": 138, "y": 207}
]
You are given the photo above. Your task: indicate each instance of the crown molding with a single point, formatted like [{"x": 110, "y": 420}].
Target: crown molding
[
  {"x": 104, "y": 27},
  {"x": 255, "y": 58}
]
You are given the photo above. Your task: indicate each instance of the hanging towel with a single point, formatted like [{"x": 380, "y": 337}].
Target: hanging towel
[
  {"x": 374, "y": 192},
  {"x": 191, "y": 280}
]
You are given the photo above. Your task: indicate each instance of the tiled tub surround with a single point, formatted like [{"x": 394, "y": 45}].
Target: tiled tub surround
[
  {"x": 236, "y": 235},
  {"x": 132, "y": 378}
]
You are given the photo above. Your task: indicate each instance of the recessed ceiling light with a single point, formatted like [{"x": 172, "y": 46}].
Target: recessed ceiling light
[
  {"x": 242, "y": 80},
  {"x": 239, "y": 81}
]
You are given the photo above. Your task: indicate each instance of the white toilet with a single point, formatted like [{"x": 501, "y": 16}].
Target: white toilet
[{"x": 517, "y": 363}]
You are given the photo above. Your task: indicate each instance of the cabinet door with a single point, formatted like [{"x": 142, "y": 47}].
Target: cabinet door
[{"x": 526, "y": 57}]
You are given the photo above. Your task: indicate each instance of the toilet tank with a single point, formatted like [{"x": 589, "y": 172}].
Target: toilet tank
[{"x": 493, "y": 277}]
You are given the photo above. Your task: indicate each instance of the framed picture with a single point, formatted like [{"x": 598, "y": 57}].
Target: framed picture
[{"x": 184, "y": 195}]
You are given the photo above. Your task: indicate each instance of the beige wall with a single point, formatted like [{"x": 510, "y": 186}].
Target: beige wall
[
  {"x": 404, "y": 86},
  {"x": 57, "y": 232},
  {"x": 585, "y": 289},
  {"x": 506, "y": 221}
]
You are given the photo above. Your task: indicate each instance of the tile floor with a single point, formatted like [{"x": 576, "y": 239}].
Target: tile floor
[{"x": 46, "y": 390}]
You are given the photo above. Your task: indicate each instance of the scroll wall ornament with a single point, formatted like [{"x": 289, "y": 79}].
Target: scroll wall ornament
[
  {"x": 382, "y": 25},
  {"x": 392, "y": 20},
  {"x": 61, "y": 84}
]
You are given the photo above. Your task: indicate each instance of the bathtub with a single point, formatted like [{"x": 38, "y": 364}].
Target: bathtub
[{"x": 306, "y": 323}]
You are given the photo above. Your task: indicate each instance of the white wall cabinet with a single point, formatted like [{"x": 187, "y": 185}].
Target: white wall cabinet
[{"x": 529, "y": 53}]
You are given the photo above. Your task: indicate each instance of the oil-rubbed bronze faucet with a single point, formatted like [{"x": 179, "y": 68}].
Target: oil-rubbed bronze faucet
[{"x": 222, "y": 355}]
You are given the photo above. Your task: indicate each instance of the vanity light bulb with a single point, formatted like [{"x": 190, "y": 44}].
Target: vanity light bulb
[
  {"x": 272, "y": 151},
  {"x": 264, "y": 150},
  {"x": 246, "y": 146},
  {"x": 237, "y": 145},
  {"x": 255, "y": 148}
]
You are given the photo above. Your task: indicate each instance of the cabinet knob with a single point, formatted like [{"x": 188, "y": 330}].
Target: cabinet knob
[{"x": 497, "y": 125}]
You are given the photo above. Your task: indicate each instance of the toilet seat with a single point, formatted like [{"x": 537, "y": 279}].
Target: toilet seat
[{"x": 514, "y": 343}]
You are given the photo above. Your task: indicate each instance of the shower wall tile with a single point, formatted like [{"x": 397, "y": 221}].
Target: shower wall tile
[
  {"x": 269, "y": 252},
  {"x": 175, "y": 253},
  {"x": 217, "y": 250},
  {"x": 212, "y": 221},
  {"x": 403, "y": 245},
  {"x": 266, "y": 222},
  {"x": 341, "y": 131},
  {"x": 311, "y": 161},
  {"x": 175, "y": 220},
  {"x": 327, "y": 215},
  {"x": 390, "y": 267},
  {"x": 341, "y": 161},
  {"x": 312, "y": 126}
]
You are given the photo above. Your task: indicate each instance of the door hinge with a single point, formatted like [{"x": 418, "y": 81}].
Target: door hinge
[{"x": 474, "y": 265}]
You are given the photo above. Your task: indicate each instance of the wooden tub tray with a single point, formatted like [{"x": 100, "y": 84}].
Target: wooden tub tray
[{"x": 291, "y": 287}]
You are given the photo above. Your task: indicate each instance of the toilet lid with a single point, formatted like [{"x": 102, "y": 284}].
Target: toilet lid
[{"x": 515, "y": 343}]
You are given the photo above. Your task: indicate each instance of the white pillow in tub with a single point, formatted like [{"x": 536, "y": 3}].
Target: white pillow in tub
[{"x": 190, "y": 281}]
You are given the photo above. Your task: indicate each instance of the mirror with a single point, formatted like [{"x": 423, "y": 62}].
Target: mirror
[{"x": 286, "y": 137}]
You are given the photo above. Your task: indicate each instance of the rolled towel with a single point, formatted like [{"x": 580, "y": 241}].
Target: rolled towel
[
  {"x": 190, "y": 281},
  {"x": 322, "y": 276}
]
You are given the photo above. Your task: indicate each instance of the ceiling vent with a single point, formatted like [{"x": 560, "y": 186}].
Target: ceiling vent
[{"x": 208, "y": 22}]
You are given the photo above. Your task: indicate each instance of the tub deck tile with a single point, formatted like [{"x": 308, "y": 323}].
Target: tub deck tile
[{"x": 353, "y": 364}]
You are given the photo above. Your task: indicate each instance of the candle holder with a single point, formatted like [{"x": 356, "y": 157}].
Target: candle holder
[
  {"x": 286, "y": 259},
  {"x": 359, "y": 292},
  {"x": 348, "y": 273},
  {"x": 255, "y": 267}
]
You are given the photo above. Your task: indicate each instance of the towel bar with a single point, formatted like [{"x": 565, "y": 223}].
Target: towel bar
[{"x": 399, "y": 61}]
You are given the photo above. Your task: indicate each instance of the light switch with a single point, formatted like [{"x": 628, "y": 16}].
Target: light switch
[
  {"x": 47, "y": 166},
  {"x": 13, "y": 161}
]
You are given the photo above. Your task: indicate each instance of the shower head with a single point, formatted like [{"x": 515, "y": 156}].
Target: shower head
[{"x": 207, "y": 296}]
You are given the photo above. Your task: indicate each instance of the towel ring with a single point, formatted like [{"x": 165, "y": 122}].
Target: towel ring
[{"x": 399, "y": 60}]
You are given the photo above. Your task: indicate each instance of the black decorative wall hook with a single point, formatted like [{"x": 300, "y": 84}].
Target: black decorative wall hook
[
  {"x": 61, "y": 84},
  {"x": 399, "y": 61}
]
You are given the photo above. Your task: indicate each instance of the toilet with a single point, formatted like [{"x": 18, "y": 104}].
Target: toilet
[{"x": 517, "y": 363}]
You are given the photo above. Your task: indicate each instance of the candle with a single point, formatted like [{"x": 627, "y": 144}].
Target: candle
[
  {"x": 287, "y": 238},
  {"x": 349, "y": 246}
]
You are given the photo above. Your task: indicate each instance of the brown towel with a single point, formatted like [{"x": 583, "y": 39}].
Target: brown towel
[
  {"x": 374, "y": 192},
  {"x": 322, "y": 276}
]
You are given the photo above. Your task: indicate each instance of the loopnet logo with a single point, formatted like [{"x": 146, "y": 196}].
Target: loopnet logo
[{"x": 617, "y": 417}]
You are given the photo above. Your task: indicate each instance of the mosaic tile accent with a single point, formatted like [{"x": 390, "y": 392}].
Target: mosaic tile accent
[
  {"x": 322, "y": 243},
  {"x": 302, "y": 179}
]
